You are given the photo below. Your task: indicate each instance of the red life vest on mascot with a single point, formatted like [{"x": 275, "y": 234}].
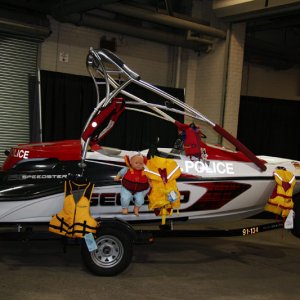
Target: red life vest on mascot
[{"x": 135, "y": 181}]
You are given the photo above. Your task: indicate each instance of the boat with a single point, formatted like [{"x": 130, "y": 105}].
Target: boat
[{"x": 216, "y": 183}]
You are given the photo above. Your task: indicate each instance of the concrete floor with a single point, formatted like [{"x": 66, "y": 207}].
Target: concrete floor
[{"x": 263, "y": 266}]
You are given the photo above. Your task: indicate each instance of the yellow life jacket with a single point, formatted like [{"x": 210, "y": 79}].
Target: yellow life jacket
[
  {"x": 164, "y": 195},
  {"x": 281, "y": 201},
  {"x": 74, "y": 220}
]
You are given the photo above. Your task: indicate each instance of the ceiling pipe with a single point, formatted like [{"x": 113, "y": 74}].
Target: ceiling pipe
[
  {"x": 163, "y": 19},
  {"x": 32, "y": 30},
  {"x": 68, "y": 7},
  {"x": 24, "y": 22},
  {"x": 144, "y": 33}
]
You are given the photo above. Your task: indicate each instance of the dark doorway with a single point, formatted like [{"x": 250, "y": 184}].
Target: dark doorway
[{"x": 270, "y": 126}]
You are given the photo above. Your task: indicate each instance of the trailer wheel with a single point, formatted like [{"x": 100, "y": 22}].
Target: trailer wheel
[
  {"x": 113, "y": 255},
  {"x": 296, "y": 230}
]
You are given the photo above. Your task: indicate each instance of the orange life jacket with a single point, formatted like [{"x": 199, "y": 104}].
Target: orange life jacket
[
  {"x": 74, "y": 220},
  {"x": 281, "y": 201},
  {"x": 164, "y": 194}
]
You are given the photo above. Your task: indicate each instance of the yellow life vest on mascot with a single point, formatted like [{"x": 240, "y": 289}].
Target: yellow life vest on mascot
[
  {"x": 74, "y": 220},
  {"x": 281, "y": 201},
  {"x": 164, "y": 195}
]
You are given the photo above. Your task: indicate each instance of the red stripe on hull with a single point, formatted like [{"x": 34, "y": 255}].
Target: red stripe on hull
[{"x": 217, "y": 195}]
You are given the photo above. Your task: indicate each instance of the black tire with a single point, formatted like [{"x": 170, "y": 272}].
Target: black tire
[
  {"x": 296, "y": 230},
  {"x": 114, "y": 253}
]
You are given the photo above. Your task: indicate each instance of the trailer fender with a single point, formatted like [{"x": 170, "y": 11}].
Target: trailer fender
[{"x": 117, "y": 224}]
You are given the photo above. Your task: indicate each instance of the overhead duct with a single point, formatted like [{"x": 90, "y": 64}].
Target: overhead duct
[
  {"x": 23, "y": 23},
  {"x": 63, "y": 8},
  {"x": 241, "y": 10},
  {"x": 15, "y": 27},
  {"x": 93, "y": 21},
  {"x": 163, "y": 19}
]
